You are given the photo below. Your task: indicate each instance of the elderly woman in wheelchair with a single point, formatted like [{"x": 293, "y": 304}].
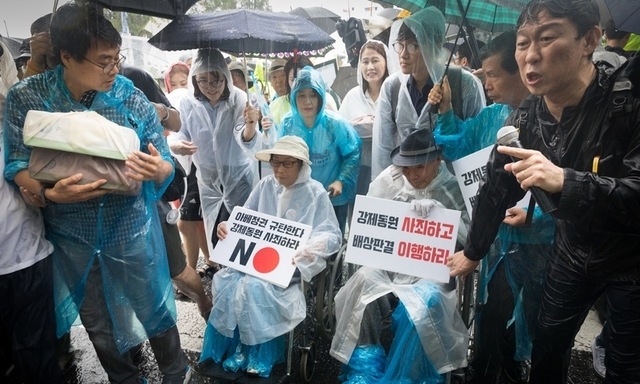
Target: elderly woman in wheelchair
[
  {"x": 430, "y": 337},
  {"x": 250, "y": 317}
]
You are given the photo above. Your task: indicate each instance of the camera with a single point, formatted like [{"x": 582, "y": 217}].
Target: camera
[{"x": 352, "y": 33}]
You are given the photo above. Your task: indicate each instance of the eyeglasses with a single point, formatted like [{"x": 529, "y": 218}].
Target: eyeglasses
[
  {"x": 411, "y": 48},
  {"x": 286, "y": 164},
  {"x": 209, "y": 84},
  {"x": 107, "y": 68}
]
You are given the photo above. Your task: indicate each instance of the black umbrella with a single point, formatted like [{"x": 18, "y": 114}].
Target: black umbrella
[
  {"x": 243, "y": 32},
  {"x": 322, "y": 17},
  {"x": 13, "y": 44},
  {"x": 168, "y": 9},
  {"x": 625, "y": 14}
]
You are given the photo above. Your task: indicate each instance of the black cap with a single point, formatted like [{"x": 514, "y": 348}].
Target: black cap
[{"x": 418, "y": 148}]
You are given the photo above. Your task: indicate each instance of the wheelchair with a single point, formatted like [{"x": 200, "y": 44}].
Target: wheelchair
[
  {"x": 320, "y": 320},
  {"x": 302, "y": 343}
]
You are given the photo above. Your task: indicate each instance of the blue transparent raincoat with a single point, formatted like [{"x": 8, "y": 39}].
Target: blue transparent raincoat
[
  {"x": 334, "y": 146},
  {"x": 524, "y": 251},
  {"x": 121, "y": 233}
]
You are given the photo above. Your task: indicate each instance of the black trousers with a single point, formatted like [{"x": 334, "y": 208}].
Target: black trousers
[
  {"x": 495, "y": 343},
  {"x": 27, "y": 317},
  {"x": 567, "y": 297}
]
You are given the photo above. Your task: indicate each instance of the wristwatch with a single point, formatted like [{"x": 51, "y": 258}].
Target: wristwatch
[{"x": 43, "y": 196}]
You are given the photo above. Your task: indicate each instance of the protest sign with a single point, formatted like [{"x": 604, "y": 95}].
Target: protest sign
[
  {"x": 261, "y": 245},
  {"x": 470, "y": 170},
  {"x": 388, "y": 235}
]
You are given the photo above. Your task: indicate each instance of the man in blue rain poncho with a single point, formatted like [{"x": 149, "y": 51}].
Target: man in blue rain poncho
[
  {"x": 430, "y": 337},
  {"x": 251, "y": 316},
  {"x": 109, "y": 262},
  {"x": 402, "y": 107},
  {"x": 512, "y": 272},
  {"x": 212, "y": 119},
  {"x": 334, "y": 145}
]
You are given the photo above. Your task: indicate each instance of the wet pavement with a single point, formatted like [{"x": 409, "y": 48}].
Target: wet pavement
[{"x": 85, "y": 367}]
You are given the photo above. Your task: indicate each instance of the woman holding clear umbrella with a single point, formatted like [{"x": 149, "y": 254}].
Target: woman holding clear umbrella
[{"x": 212, "y": 120}]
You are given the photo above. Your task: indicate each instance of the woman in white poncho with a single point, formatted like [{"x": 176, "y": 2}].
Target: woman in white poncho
[
  {"x": 359, "y": 104},
  {"x": 250, "y": 316},
  {"x": 212, "y": 121}
]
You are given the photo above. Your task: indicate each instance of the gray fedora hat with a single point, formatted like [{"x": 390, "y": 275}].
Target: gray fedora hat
[{"x": 417, "y": 148}]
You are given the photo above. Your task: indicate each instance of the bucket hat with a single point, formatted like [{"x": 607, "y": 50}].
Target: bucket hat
[
  {"x": 277, "y": 65},
  {"x": 418, "y": 148},
  {"x": 286, "y": 146},
  {"x": 238, "y": 66}
]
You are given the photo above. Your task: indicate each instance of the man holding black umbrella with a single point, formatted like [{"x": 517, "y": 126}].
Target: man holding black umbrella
[
  {"x": 585, "y": 158},
  {"x": 402, "y": 106}
]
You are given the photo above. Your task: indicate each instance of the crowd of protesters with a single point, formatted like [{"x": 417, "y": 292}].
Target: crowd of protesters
[{"x": 73, "y": 251}]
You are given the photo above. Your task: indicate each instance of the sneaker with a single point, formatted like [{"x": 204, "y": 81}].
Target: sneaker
[{"x": 598, "y": 351}]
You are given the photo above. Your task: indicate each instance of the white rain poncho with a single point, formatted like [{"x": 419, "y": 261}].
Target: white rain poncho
[
  {"x": 121, "y": 233},
  {"x": 226, "y": 174},
  {"x": 359, "y": 109},
  {"x": 393, "y": 126},
  {"x": 262, "y": 311},
  {"x": 442, "y": 332}
]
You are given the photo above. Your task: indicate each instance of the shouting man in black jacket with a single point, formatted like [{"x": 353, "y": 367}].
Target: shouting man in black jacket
[{"x": 588, "y": 164}]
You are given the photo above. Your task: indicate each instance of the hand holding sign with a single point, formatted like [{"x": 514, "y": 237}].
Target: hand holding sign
[
  {"x": 260, "y": 245},
  {"x": 389, "y": 235},
  {"x": 222, "y": 230},
  {"x": 423, "y": 206},
  {"x": 460, "y": 265}
]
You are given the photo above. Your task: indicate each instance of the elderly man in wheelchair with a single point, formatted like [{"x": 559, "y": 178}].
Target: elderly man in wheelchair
[
  {"x": 430, "y": 337},
  {"x": 250, "y": 317}
]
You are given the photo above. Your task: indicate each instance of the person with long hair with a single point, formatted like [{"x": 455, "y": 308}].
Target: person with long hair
[
  {"x": 359, "y": 104},
  {"x": 212, "y": 118}
]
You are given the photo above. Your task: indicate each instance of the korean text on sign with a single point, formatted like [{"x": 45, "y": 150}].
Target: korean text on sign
[{"x": 387, "y": 235}]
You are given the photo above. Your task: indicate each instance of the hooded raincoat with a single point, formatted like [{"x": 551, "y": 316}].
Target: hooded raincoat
[
  {"x": 120, "y": 233},
  {"x": 396, "y": 115},
  {"x": 226, "y": 173},
  {"x": 261, "y": 311},
  {"x": 334, "y": 146},
  {"x": 433, "y": 310}
]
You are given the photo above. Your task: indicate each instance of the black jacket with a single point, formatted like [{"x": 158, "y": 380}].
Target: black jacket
[{"x": 598, "y": 214}]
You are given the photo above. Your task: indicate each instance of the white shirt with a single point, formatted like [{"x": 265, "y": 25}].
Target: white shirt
[{"x": 22, "y": 242}]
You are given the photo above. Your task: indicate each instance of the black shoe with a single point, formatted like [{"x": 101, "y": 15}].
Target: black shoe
[{"x": 208, "y": 271}]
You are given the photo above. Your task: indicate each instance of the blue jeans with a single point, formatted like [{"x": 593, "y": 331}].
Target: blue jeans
[{"x": 119, "y": 367}]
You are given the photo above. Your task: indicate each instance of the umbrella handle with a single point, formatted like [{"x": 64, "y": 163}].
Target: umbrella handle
[{"x": 434, "y": 107}]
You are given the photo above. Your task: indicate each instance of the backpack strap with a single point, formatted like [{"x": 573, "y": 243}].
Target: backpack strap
[
  {"x": 395, "y": 92},
  {"x": 626, "y": 81},
  {"x": 522, "y": 120}
]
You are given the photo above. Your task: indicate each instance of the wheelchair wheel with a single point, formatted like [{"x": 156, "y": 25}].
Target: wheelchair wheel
[
  {"x": 324, "y": 314},
  {"x": 307, "y": 362}
]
